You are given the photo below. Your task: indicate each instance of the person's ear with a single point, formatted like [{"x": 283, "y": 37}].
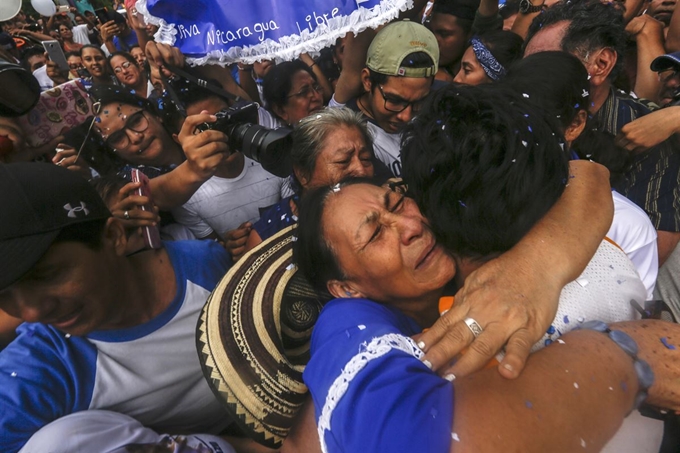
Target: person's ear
[
  {"x": 576, "y": 127},
  {"x": 366, "y": 80},
  {"x": 175, "y": 137},
  {"x": 304, "y": 180},
  {"x": 342, "y": 290},
  {"x": 601, "y": 65},
  {"x": 114, "y": 234}
]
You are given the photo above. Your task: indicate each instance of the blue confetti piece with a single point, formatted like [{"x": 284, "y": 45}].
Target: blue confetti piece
[
  {"x": 566, "y": 319},
  {"x": 526, "y": 115},
  {"x": 432, "y": 170},
  {"x": 577, "y": 106},
  {"x": 528, "y": 404},
  {"x": 97, "y": 120},
  {"x": 462, "y": 204},
  {"x": 551, "y": 330},
  {"x": 530, "y": 130},
  {"x": 665, "y": 342}
]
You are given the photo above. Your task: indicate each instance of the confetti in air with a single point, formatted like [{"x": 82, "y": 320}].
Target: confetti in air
[{"x": 665, "y": 342}]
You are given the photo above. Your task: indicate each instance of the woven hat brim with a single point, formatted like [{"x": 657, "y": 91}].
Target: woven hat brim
[{"x": 240, "y": 342}]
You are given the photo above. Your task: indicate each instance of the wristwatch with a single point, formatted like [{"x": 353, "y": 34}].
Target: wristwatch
[{"x": 525, "y": 7}]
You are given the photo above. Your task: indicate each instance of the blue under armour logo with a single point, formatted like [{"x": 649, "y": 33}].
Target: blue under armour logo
[{"x": 72, "y": 211}]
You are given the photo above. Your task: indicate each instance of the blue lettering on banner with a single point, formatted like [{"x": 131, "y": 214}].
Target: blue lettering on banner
[{"x": 227, "y": 28}]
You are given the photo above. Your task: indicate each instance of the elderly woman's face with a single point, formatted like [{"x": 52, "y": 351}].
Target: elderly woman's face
[
  {"x": 345, "y": 153},
  {"x": 383, "y": 244},
  {"x": 136, "y": 135},
  {"x": 303, "y": 99}
]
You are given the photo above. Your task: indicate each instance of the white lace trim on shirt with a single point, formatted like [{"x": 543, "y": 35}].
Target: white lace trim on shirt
[{"x": 377, "y": 348}]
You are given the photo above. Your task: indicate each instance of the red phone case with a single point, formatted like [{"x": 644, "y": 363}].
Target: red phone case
[{"x": 152, "y": 237}]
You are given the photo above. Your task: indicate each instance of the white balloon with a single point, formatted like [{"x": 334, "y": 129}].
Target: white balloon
[{"x": 44, "y": 7}]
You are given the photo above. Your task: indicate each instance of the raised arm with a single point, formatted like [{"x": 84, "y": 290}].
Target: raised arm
[
  {"x": 673, "y": 35},
  {"x": 515, "y": 296},
  {"x": 648, "y": 35},
  {"x": 349, "y": 83},
  {"x": 204, "y": 152},
  {"x": 570, "y": 397}
]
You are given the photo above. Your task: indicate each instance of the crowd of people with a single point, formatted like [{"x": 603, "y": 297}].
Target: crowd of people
[{"x": 457, "y": 232}]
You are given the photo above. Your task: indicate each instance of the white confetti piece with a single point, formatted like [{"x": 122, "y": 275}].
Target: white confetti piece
[
  {"x": 524, "y": 143},
  {"x": 68, "y": 335},
  {"x": 583, "y": 443},
  {"x": 582, "y": 281},
  {"x": 290, "y": 267},
  {"x": 455, "y": 437},
  {"x": 525, "y": 95},
  {"x": 361, "y": 327},
  {"x": 575, "y": 385},
  {"x": 14, "y": 374},
  {"x": 560, "y": 341}
]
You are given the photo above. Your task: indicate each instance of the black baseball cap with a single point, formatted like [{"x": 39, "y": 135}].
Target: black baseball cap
[
  {"x": 37, "y": 201},
  {"x": 668, "y": 61}
]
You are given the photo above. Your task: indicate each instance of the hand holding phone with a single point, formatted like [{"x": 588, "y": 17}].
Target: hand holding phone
[{"x": 56, "y": 54}]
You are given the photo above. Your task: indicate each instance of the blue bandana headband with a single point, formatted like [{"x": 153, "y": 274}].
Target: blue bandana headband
[{"x": 491, "y": 66}]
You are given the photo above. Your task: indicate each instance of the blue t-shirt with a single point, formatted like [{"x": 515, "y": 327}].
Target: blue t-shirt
[
  {"x": 276, "y": 218},
  {"x": 150, "y": 372},
  {"x": 371, "y": 391}
]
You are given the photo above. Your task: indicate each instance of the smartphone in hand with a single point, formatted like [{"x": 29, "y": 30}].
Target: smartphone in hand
[
  {"x": 53, "y": 49},
  {"x": 152, "y": 237}
]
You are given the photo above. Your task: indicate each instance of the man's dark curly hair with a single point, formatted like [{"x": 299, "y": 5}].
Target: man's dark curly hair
[
  {"x": 484, "y": 165},
  {"x": 593, "y": 25}
]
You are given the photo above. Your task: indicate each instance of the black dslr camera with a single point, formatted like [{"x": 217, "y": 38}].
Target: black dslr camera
[{"x": 269, "y": 147}]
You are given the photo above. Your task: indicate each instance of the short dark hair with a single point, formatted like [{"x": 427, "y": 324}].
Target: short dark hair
[
  {"x": 28, "y": 53},
  {"x": 412, "y": 60},
  {"x": 484, "y": 166},
  {"x": 92, "y": 46},
  {"x": 73, "y": 53},
  {"x": 279, "y": 80},
  {"x": 593, "y": 25},
  {"x": 312, "y": 254},
  {"x": 90, "y": 234},
  {"x": 505, "y": 46},
  {"x": 125, "y": 55},
  {"x": 556, "y": 81}
]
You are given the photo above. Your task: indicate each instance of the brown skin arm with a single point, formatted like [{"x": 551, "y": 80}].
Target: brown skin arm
[
  {"x": 559, "y": 416},
  {"x": 349, "y": 83},
  {"x": 648, "y": 35},
  {"x": 666, "y": 241},
  {"x": 514, "y": 297},
  {"x": 673, "y": 32},
  {"x": 543, "y": 410}
]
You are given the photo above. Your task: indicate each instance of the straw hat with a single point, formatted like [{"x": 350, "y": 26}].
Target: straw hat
[{"x": 253, "y": 339}]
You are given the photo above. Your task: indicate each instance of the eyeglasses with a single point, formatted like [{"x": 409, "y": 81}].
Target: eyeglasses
[
  {"x": 399, "y": 105},
  {"x": 119, "y": 69},
  {"x": 137, "y": 122},
  {"x": 306, "y": 91},
  {"x": 75, "y": 65}
]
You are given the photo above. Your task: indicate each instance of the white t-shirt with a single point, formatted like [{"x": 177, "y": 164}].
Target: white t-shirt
[
  {"x": 386, "y": 147},
  {"x": 268, "y": 120},
  {"x": 222, "y": 204},
  {"x": 633, "y": 231},
  {"x": 41, "y": 76},
  {"x": 80, "y": 34},
  {"x": 112, "y": 432}
]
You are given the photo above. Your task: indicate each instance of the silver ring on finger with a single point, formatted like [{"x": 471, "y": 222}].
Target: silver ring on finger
[
  {"x": 474, "y": 326},
  {"x": 126, "y": 214}
]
